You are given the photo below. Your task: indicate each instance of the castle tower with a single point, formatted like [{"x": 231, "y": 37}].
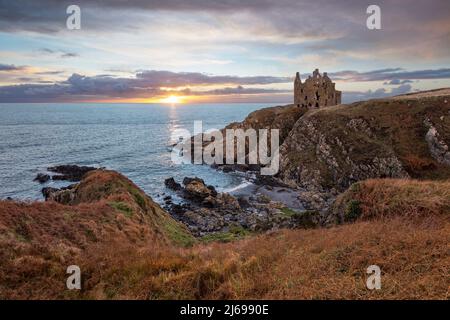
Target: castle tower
[
  {"x": 297, "y": 88},
  {"x": 317, "y": 91}
]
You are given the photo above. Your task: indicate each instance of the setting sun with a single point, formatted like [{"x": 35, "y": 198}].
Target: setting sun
[{"x": 172, "y": 100}]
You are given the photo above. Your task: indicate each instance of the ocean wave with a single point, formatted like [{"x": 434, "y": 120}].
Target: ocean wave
[{"x": 243, "y": 185}]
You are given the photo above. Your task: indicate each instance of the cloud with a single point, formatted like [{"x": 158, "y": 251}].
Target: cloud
[
  {"x": 291, "y": 21},
  {"x": 241, "y": 90},
  {"x": 155, "y": 83},
  {"x": 394, "y": 74},
  {"x": 69, "y": 55},
  {"x": 174, "y": 79},
  {"x": 10, "y": 67},
  {"x": 352, "y": 96},
  {"x": 404, "y": 88},
  {"x": 59, "y": 53},
  {"x": 53, "y": 72},
  {"x": 397, "y": 82},
  {"x": 145, "y": 84}
]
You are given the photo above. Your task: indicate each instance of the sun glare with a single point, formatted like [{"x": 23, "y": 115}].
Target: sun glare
[{"x": 171, "y": 100}]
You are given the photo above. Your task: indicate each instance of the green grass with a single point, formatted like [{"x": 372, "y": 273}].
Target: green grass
[
  {"x": 288, "y": 212},
  {"x": 353, "y": 210},
  {"x": 122, "y": 207},
  {"x": 305, "y": 219},
  {"x": 178, "y": 233},
  {"x": 140, "y": 200},
  {"x": 235, "y": 233}
]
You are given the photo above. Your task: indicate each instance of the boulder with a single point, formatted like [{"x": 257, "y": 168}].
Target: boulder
[
  {"x": 188, "y": 180},
  {"x": 42, "y": 178},
  {"x": 70, "y": 172},
  {"x": 48, "y": 192},
  {"x": 196, "y": 190},
  {"x": 172, "y": 184},
  {"x": 64, "y": 195}
]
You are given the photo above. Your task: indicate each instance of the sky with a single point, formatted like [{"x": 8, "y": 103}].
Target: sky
[{"x": 218, "y": 51}]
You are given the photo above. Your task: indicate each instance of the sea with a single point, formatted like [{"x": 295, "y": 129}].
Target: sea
[{"x": 134, "y": 139}]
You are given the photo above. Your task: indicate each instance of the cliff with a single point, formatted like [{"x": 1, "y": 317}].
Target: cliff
[{"x": 331, "y": 148}]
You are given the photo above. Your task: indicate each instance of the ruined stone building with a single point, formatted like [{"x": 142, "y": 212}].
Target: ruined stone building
[{"x": 317, "y": 91}]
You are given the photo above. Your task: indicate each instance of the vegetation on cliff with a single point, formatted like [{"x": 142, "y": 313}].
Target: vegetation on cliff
[
  {"x": 336, "y": 146},
  {"x": 128, "y": 247}
]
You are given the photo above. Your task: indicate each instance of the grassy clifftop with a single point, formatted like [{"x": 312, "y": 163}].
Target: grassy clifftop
[
  {"x": 397, "y": 137},
  {"x": 105, "y": 211},
  {"x": 389, "y": 198}
]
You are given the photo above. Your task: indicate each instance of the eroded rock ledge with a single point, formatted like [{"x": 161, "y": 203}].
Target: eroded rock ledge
[{"x": 204, "y": 210}]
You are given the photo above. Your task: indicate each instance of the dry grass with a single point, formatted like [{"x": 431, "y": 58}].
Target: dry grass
[
  {"x": 404, "y": 228},
  {"x": 385, "y": 198},
  {"x": 303, "y": 264}
]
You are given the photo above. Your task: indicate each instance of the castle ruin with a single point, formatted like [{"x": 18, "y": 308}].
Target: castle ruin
[{"x": 317, "y": 91}]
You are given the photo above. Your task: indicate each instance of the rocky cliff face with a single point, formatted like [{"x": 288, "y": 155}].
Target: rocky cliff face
[
  {"x": 205, "y": 211},
  {"x": 324, "y": 151},
  {"x": 331, "y": 148}
]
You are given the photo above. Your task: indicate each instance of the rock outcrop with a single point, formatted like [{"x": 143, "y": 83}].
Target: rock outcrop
[
  {"x": 438, "y": 148},
  {"x": 70, "y": 172},
  {"x": 42, "y": 178},
  {"x": 329, "y": 149},
  {"x": 324, "y": 151},
  {"x": 321, "y": 156},
  {"x": 206, "y": 211}
]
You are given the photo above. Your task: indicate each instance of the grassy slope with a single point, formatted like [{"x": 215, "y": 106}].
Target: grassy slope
[
  {"x": 39, "y": 240},
  {"x": 126, "y": 255},
  {"x": 384, "y": 198}
]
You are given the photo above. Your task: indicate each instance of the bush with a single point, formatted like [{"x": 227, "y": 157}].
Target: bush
[{"x": 353, "y": 210}]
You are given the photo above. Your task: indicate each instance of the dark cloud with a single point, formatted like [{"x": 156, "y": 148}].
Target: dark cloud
[
  {"x": 46, "y": 50},
  {"x": 10, "y": 67},
  {"x": 174, "y": 79},
  {"x": 352, "y": 96},
  {"x": 285, "y": 18},
  {"x": 60, "y": 53},
  {"x": 242, "y": 90},
  {"x": 151, "y": 83},
  {"x": 55, "y": 72},
  {"x": 404, "y": 88},
  {"x": 145, "y": 84},
  {"x": 395, "y": 74},
  {"x": 397, "y": 82},
  {"x": 69, "y": 55}
]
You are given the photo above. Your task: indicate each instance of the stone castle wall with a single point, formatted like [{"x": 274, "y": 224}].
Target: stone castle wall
[{"x": 317, "y": 91}]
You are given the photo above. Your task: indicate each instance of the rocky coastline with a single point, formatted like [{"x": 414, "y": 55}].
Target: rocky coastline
[
  {"x": 323, "y": 152},
  {"x": 256, "y": 207}
]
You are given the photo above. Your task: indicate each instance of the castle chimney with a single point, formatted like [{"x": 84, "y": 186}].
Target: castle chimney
[{"x": 297, "y": 77}]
